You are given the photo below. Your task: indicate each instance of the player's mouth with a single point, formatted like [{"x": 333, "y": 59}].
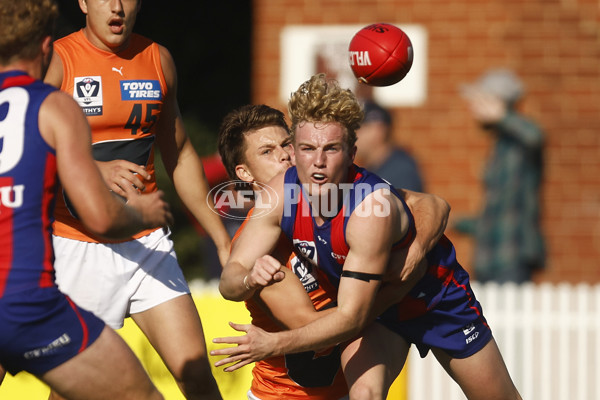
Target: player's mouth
[
  {"x": 116, "y": 26},
  {"x": 318, "y": 178}
]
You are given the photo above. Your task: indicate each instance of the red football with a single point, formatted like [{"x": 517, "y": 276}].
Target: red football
[{"x": 380, "y": 54}]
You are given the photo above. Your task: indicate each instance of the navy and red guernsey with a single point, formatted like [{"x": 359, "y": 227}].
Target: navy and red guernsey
[
  {"x": 40, "y": 327},
  {"x": 439, "y": 311},
  {"x": 325, "y": 245},
  {"x": 27, "y": 186}
]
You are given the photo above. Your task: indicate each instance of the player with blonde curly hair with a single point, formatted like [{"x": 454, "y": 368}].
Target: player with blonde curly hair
[
  {"x": 356, "y": 228},
  {"x": 321, "y": 100}
]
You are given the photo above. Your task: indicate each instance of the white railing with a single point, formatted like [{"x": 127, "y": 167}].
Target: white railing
[{"x": 549, "y": 336}]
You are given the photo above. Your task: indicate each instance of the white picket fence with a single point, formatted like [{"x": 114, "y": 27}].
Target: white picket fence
[{"x": 549, "y": 336}]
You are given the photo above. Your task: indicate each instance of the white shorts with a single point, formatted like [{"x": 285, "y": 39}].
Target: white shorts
[{"x": 115, "y": 280}]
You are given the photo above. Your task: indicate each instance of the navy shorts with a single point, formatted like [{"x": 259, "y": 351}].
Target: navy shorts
[
  {"x": 441, "y": 311},
  {"x": 42, "y": 328}
]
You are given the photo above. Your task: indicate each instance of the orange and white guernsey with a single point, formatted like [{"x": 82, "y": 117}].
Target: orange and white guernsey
[
  {"x": 302, "y": 376},
  {"x": 122, "y": 95}
]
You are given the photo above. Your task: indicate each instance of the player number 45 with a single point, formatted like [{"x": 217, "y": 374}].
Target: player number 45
[{"x": 136, "y": 119}]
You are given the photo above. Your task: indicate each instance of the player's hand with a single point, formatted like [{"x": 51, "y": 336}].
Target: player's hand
[
  {"x": 408, "y": 265},
  {"x": 266, "y": 271},
  {"x": 155, "y": 211},
  {"x": 485, "y": 108},
  {"x": 255, "y": 345},
  {"x": 119, "y": 174}
]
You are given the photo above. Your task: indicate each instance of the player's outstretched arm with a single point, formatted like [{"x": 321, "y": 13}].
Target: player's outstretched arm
[
  {"x": 288, "y": 303},
  {"x": 355, "y": 298},
  {"x": 250, "y": 265},
  {"x": 430, "y": 213},
  {"x": 407, "y": 268},
  {"x": 183, "y": 165}
]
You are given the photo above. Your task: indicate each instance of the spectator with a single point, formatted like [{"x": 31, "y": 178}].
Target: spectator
[
  {"x": 508, "y": 241},
  {"x": 377, "y": 152}
]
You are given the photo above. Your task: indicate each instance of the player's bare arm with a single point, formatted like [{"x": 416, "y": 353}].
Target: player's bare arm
[
  {"x": 431, "y": 214},
  {"x": 407, "y": 267},
  {"x": 355, "y": 296},
  {"x": 183, "y": 164},
  {"x": 250, "y": 266},
  {"x": 276, "y": 300}
]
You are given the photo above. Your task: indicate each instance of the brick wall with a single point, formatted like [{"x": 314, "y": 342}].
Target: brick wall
[{"x": 554, "y": 45}]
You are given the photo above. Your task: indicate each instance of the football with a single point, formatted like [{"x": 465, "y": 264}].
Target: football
[{"x": 380, "y": 54}]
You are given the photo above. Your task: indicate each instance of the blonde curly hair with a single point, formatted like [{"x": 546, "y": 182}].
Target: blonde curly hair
[
  {"x": 23, "y": 26},
  {"x": 321, "y": 99}
]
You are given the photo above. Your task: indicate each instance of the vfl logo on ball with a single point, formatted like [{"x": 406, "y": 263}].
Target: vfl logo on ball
[
  {"x": 380, "y": 55},
  {"x": 232, "y": 200},
  {"x": 360, "y": 58},
  {"x": 87, "y": 91}
]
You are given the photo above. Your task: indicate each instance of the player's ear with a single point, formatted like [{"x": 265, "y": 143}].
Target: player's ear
[
  {"x": 46, "y": 50},
  {"x": 83, "y": 6},
  {"x": 47, "y": 47},
  {"x": 243, "y": 173}
]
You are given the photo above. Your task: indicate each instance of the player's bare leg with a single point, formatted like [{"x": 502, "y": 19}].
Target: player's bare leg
[
  {"x": 372, "y": 362},
  {"x": 108, "y": 369},
  {"x": 175, "y": 331},
  {"x": 481, "y": 376}
]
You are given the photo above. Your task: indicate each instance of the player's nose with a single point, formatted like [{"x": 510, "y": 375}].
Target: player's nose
[
  {"x": 283, "y": 155},
  {"x": 319, "y": 158}
]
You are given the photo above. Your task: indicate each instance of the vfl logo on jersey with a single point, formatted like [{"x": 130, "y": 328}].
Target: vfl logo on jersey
[
  {"x": 88, "y": 93},
  {"x": 306, "y": 250},
  {"x": 304, "y": 273},
  {"x": 306, "y": 258},
  {"x": 141, "y": 90}
]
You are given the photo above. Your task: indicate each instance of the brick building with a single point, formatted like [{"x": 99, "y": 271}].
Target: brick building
[{"x": 553, "y": 45}]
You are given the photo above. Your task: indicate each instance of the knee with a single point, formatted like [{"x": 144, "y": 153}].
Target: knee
[
  {"x": 196, "y": 379},
  {"x": 362, "y": 391}
]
